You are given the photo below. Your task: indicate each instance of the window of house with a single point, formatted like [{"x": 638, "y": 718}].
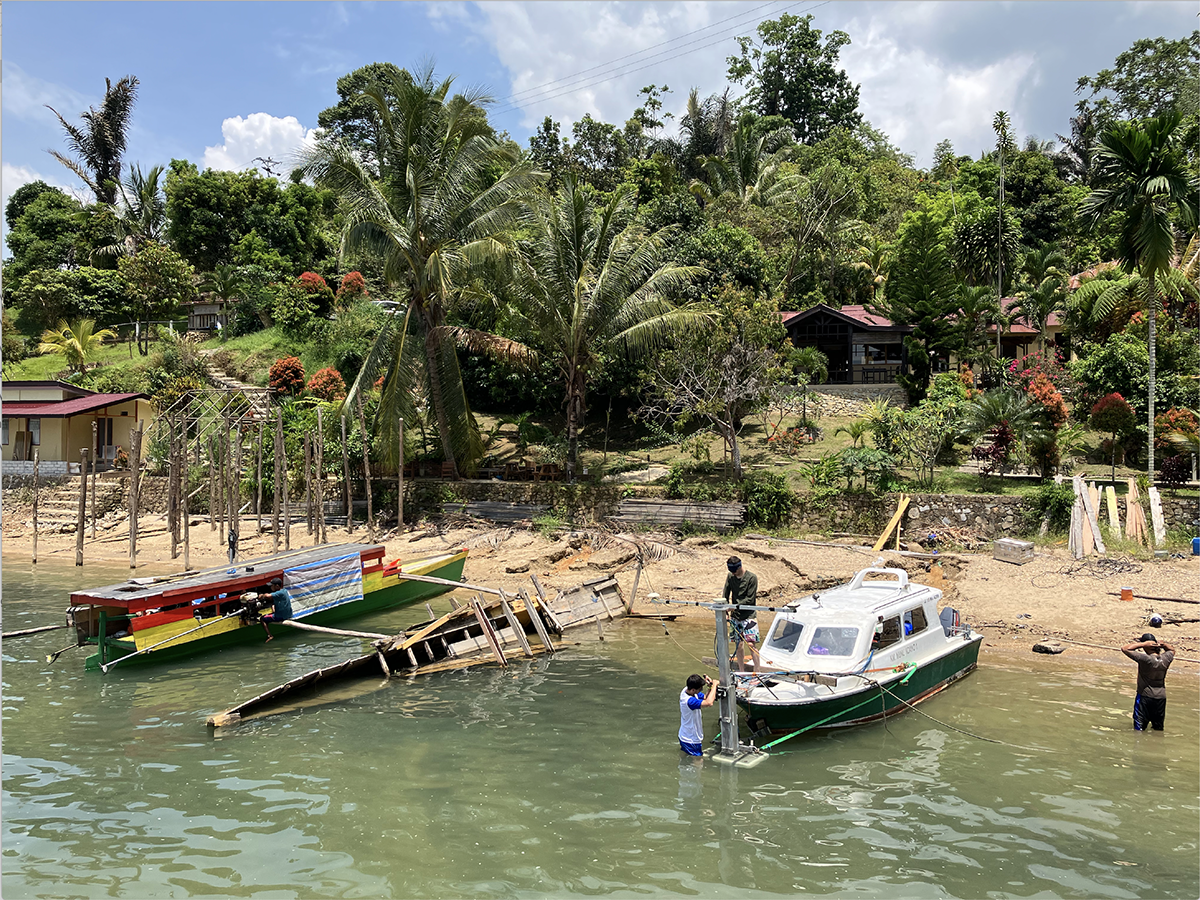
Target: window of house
[
  {"x": 877, "y": 354},
  {"x": 35, "y": 432}
]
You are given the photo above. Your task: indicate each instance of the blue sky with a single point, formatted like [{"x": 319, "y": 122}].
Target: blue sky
[{"x": 224, "y": 82}]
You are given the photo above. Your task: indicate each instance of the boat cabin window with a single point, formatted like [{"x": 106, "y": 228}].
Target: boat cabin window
[
  {"x": 833, "y": 641},
  {"x": 890, "y": 633},
  {"x": 785, "y": 636},
  {"x": 914, "y": 621}
]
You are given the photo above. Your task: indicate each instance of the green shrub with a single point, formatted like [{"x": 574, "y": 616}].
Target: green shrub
[
  {"x": 768, "y": 498},
  {"x": 295, "y": 310},
  {"x": 1054, "y": 502}
]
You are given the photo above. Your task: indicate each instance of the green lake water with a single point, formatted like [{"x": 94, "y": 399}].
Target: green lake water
[{"x": 561, "y": 776}]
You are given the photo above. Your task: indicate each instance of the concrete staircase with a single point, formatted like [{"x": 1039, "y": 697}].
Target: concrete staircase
[
  {"x": 259, "y": 397},
  {"x": 58, "y": 507}
]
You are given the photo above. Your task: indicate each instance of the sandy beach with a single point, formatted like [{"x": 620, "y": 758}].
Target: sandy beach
[{"x": 1052, "y": 597}]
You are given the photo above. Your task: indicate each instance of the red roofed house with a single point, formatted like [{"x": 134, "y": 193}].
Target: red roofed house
[
  {"x": 57, "y": 418},
  {"x": 862, "y": 347}
]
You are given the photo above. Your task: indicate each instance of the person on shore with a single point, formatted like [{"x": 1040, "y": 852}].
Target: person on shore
[
  {"x": 277, "y": 598},
  {"x": 741, "y": 587},
  {"x": 698, "y": 693},
  {"x": 1153, "y": 658}
]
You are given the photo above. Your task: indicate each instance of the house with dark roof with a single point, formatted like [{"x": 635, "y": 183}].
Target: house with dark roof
[
  {"x": 59, "y": 419},
  {"x": 862, "y": 347}
]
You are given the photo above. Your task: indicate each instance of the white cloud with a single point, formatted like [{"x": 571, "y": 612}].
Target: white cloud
[
  {"x": 258, "y": 135},
  {"x": 27, "y": 96},
  {"x": 547, "y": 42},
  {"x": 918, "y": 99}
]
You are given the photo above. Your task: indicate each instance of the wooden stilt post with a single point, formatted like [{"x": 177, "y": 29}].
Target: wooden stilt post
[
  {"x": 346, "y": 478},
  {"x": 320, "y": 483},
  {"x": 287, "y": 503},
  {"x": 276, "y": 483},
  {"x": 135, "y": 462},
  {"x": 400, "y": 478},
  {"x": 183, "y": 502},
  {"x": 95, "y": 462},
  {"x": 82, "y": 506},
  {"x": 637, "y": 577},
  {"x": 235, "y": 494},
  {"x": 366, "y": 442},
  {"x": 36, "y": 453},
  {"x": 258, "y": 481},
  {"x": 308, "y": 515},
  {"x": 212, "y": 481},
  {"x": 172, "y": 489}
]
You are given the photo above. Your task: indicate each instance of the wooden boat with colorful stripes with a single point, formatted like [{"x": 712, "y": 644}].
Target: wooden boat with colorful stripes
[{"x": 166, "y": 617}]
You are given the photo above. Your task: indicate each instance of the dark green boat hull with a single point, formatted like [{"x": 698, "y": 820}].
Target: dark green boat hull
[{"x": 866, "y": 705}]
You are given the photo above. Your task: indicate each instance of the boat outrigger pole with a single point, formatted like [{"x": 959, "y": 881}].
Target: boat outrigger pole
[{"x": 731, "y": 749}]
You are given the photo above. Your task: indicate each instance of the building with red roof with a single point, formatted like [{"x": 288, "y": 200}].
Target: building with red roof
[{"x": 59, "y": 419}]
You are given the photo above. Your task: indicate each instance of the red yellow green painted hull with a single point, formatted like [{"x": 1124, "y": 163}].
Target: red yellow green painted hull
[{"x": 381, "y": 591}]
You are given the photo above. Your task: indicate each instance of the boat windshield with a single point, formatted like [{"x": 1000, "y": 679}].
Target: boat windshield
[
  {"x": 785, "y": 636},
  {"x": 837, "y": 640}
]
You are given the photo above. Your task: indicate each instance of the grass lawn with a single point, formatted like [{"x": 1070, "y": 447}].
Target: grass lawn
[{"x": 47, "y": 367}]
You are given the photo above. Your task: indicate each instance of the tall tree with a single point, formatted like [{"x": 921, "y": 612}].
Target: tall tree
[
  {"x": 437, "y": 216},
  {"x": 1042, "y": 290},
  {"x": 100, "y": 142},
  {"x": 142, "y": 216},
  {"x": 749, "y": 168},
  {"x": 354, "y": 119},
  {"x": 1143, "y": 175},
  {"x": 592, "y": 282},
  {"x": 1151, "y": 78},
  {"x": 157, "y": 280},
  {"x": 921, "y": 293},
  {"x": 789, "y": 72}
]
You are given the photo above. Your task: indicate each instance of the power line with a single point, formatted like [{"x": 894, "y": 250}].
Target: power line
[
  {"x": 512, "y": 97},
  {"x": 624, "y": 70}
]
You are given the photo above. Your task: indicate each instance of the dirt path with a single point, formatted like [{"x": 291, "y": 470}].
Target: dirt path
[{"x": 1014, "y": 606}]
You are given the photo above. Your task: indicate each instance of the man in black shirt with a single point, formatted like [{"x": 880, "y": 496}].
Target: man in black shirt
[
  {"x": 741, "y": 587},
  {"x": 1153, "y": 658}
]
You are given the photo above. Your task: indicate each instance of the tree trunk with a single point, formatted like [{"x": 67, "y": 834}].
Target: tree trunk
[
  {"x": 436, "y": 399},
  {"x": 1152, "y": 321}
]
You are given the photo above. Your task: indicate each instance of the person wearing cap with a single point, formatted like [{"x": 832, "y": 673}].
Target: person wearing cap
[
  {"x": 278, "y": 599},
  {"x": 741, "y": 587},
  {"x": 1153, "y": 658}
]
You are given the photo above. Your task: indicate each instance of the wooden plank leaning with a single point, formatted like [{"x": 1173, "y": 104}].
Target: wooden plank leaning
[
  {"x": 489, "y": 633},
  {"x": 536, "y": 618},
  {"x": 1090, "y": 511},
  {"x": 516, "y": 626},
  {"x": 893, "y": 522},
  {"x": 1156, "y": 517}
]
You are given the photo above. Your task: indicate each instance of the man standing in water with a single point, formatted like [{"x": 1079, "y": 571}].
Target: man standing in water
[
  {"x": 699, "y": 692},
  {"x": 741, "y": 587},
  {"x": 1153, "y": 658}
]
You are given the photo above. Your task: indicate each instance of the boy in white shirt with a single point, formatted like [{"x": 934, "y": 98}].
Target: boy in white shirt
[{"x": 700, "y": 692}]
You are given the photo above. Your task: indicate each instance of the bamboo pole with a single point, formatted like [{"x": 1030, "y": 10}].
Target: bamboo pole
[
  {"x": 275, "y": 484},
  {"x": 308, "y": 515},
  {"x": 320, "y": 484},
  {"x": 135, "y": 461},
  {"x": 36, "y": 454},
  {"x": 187, "y": 542},
  {"x": 212, "y": 481},
  {"x": 95, "y": 462},
  {"x": 400, "y": 478},
  {"x": 172, "y": 489},
  {"x": 366, "y": 443},
  {"x": 81, "y": 518},
  {"x": 287, "y": 503},
  {"x": 235, "y": 493},
  {"x": 346, "y": 478},
  {"x": 258, "y": 480}
]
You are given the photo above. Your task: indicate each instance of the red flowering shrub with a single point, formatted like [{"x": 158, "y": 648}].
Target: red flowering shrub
[
  {"x": 286, "y": 376},
  {"x": 1041, "y": 390},
  {"x": 1174, "y": 420},
  {"x": 353, "y": 285},
  {"x": 327, "y": 384},
  {"x": 313, "y": 283},
  {"x": 1113, "y": 414},
  {"x": 1025, "y": 369}
]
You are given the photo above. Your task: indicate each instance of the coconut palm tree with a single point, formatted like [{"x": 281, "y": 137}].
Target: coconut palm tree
[
  {"x": 749, "y": 169},
  {"x": 100, "y": 143},
  {"x": 590, "y": 282},
  {"x": 1143, "y": 174},
  {"x": 978, "y": 308},
  {"x": 1042, "y": 291},
  {"x": 874, "y": 257},
  {"x": 436, "y": 216},
  {"x": 78, "y": 343},
  {"x": 1107, "y": 302},
  {"x": 142, "y": 215}
]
